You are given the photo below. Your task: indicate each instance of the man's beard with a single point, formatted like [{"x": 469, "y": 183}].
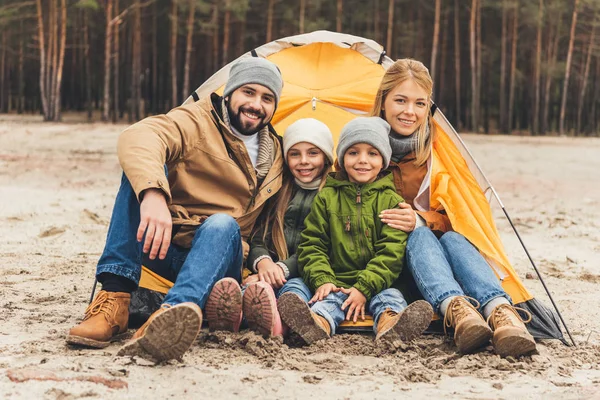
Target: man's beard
[{"x": 236, "y": 120}]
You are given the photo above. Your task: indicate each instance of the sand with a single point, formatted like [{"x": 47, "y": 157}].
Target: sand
[{"x": 57, "y": 187}]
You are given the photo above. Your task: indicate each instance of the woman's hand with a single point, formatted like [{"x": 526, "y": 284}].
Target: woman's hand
[
  {"x": 323, "y": 291},
  {"x": 355, "y": 303},
  {"x": 271, "y": 273},
  {"x": 403, "y": 218}
]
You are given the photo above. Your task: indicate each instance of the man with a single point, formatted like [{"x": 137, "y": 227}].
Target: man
[{"x": 222, "y": 161}]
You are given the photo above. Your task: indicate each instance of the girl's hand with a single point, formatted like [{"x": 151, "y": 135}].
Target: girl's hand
[
  {"x": 250, "y": 279},
  {"x": 403, "y": 218},
  {"x": 271, "y": 273},
  {"x": 355, "y": 303},
  {"x": 323, "y": 291}
]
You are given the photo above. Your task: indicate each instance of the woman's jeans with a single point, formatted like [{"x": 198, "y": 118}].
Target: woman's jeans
[
  {"x": 216, "y": 252},
  {"x": 450, "y": 266}
]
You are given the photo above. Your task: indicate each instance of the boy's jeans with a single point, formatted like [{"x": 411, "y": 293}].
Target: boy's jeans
[
  {"x": 450, "y": 266},
  {"x": 216, "y": 252},
  {"x": 297, "y": 286},
  {"x": 330, "y": 307}
]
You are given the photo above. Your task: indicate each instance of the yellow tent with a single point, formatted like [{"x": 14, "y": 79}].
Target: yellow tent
[{"x": 333, "y": 77}]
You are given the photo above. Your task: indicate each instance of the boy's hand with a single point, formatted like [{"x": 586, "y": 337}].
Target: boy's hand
[
  {"x": 271, "y": 273},
  {"x": 323, "y": 291},
  {"x": 355, "y": 303},
  {"x": 403, "y": 218}
]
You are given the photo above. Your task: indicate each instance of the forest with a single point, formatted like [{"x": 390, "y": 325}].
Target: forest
[{"x": 499, "y": 66}]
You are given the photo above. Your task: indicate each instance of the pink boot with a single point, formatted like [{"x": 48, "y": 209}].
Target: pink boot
[
  {"x": 260, "y": 309},
  {"x": 223, "y": 310}
]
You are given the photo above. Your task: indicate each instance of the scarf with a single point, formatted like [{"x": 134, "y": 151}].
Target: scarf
[
  {"x": 403, "y": 145},
  {"x": 314, "y": 185}
]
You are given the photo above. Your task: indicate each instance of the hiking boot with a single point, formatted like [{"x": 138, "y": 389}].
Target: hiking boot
[
  {"x": 105, "y": 319},
  {"x": 470, "y": 329},
  {"x": 406, "y": 325},
  {"x": 511, "y": 337},
  {"x": 260, "y": 308},
  {"x": 223, "y": 308},
  {"x": 168, "y": 333},
  {"x": 297, "y": 315}
]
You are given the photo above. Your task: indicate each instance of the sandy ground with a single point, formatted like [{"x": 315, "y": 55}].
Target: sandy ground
[{"x": 57, "y": 186}]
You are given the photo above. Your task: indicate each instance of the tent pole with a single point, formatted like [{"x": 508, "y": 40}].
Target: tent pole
[
  {"x": 93, "y": 290},
  {"x": 539, "y": 276}
]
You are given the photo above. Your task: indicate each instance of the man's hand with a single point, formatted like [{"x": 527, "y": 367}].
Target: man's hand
[
  {"x": 355, "y": 303},
  {"x": 156, "y": 222},
  {"x": 403, "y": 218},
  {"x": 323, "y": 291},
  {"x": 271, "y": 273}
]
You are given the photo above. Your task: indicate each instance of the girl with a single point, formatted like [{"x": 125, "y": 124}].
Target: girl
[
  {"x": 348, "y": 257},
  {"x": 308, "y": 152},
  {"x": 450, "y": 272}
]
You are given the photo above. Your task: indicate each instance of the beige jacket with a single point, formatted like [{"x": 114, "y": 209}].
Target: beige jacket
[{"x": 209, "y": 170}]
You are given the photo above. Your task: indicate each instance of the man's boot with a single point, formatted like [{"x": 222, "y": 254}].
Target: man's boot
[
  {"x": 300, "y": 319},
  {"x": 105, "y": 318},
  {"x": 470, "y": 329},
  {"x": 168, "y": 333},
  {"x": 511, "y": 337},
  {"x": 406, "y": 325}
]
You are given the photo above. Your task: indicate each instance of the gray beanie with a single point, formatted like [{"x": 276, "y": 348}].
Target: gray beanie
[
  {"x": 370, "y": 130},
  {"x": 254, "y": 70},
  {"x": 312, "y": 131}
]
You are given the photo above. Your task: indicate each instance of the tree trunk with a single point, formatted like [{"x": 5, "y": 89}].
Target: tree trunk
[
  {"x": 173, "y": 57},
  {"x": 376, "y": 22},
  {"x": 21, "y": 77},
  {"x": 137, "y": 62},
  {"x": 503, "y": 60},
  {"x": 552, "y": 52},
  {"x": 215, "y": 36},
  {"x": 302, "y": 13},
  {"x": 226, "y": 29},
  {"x": 513, "y": 67},
  {"x": 390, "y": 27},
  {"x": 87, "y": 66},
  {"x": 538, "y": 67},
  {"x": 436, "y": 38},
  {"x": 585, "y": 75},
  {"x": 3, "y": 85},
  {"x": 457, "y": 63},
  {"x": 473, "y": 58},
  {"x": 116, "y": 26},
  {"x": 270, "y": 21},
  {"x": 339, "y": 16},
  {"x": 188, "y": 49},
  {"x": 107, "y": 52},
  {"x": 563, "y": 103},
  {"x": 155, "y": 95},
  {"x": 442, "y": 78},
  {"x": 54, "y": 77}
]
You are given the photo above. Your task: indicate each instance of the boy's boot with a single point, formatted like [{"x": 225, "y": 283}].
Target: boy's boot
[
  {"x": 260, "y": 309},
  {"x": 223, "y": 307},
  {"x": 511, "y": 337},
  {"x": 470, "y": 329},
  {"x": 168, "y": 333},
  {"x": 406, "y": 325},
  {"x": 300, "y": 319},
  {"x": 105, "y": 318}
]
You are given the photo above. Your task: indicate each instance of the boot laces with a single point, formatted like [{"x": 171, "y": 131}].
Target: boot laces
[
  {"x": 102, "y": 304},
  {"x": 458, "y": 309},
  {"x": 502, "y": 315}
]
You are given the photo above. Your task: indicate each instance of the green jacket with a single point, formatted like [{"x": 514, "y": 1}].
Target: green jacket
[
  {"x": 345, "y": 242},
  {"x": 296, "y": 212}
]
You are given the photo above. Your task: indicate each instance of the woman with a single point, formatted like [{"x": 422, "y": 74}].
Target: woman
[{"x": 449, "y": 271}]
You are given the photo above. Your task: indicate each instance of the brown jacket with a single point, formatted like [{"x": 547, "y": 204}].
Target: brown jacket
[
  {"x": 209, "y": 170},
  {"x": 407, "y": 180}
]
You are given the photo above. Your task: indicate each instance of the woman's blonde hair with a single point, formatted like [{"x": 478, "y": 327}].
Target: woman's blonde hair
[{"x": 396, "y": 74}]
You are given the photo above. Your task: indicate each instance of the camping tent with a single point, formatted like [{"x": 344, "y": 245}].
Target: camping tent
[{"x": 333, "y": 77}]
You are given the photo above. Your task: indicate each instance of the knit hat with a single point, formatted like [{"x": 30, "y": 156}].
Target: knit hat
[
  {"x": 370, "y": 130},
  {"x": 309, "y": 130},
  {"x": 254, "y": 70}
]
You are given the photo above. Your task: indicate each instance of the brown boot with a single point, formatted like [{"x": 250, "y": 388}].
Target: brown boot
[
  {"x": 300, "y": 319},
  {"x": 105, "y": 318},
  {"x": 511, "y": 337},
  {"x": 470, "y": 329},
  {"x": 406, "y": 325},
  {"x": 167, "y": 334}
]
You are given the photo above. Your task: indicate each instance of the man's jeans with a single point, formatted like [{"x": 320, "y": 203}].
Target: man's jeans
[
  {"x": 330, "y": 307},
  {"x": 216, "y": 252},
  {"x": 450, "y": 266}
]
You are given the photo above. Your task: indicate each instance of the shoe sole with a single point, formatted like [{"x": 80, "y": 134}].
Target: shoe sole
[
  {"x": 96, "y": 344},
  {"x": 297, "y": 315},
  {"x": 260, "y": 309},
  {"x": 168, "y": 336},
  {"x": 515, "y": 346},
  {"x": 413, "y": 321},
  {"x": 479, "y": 335},
  {"x": 223, "y": 308}
]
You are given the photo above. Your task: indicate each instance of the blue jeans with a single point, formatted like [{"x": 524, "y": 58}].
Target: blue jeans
[
  {"x": 297, "y": 286},
  {"x": 330, "y": 307},
  {"x": 216, "y": 252},
  {"x": 450, "y": 266}
]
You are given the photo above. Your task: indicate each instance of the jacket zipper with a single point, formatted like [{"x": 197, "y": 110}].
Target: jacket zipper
[
  {"x": 257, "y": 190},
  {"x": 359, "y": 232}
]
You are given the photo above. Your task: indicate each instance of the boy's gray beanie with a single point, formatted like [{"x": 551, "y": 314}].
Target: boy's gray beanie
[
  {"x": 372, "y": 130},
  {"x": 255, "y": 70}
]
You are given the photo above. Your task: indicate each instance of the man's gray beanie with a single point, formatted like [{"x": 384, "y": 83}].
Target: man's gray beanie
[
  {"x": 371, "y": 130},
  {"x": 254, "y": 70}
]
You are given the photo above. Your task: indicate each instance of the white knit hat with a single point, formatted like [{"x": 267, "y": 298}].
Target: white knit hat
[{"x": 312, "y": 131}]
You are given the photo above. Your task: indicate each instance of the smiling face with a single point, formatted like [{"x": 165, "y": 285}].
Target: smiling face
[
  {"x": 362, "y": 163},
  {"x": 251, "y": 108},
  {"x": 405, "y": 107},
  {"x": 306, "y": 162}
]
